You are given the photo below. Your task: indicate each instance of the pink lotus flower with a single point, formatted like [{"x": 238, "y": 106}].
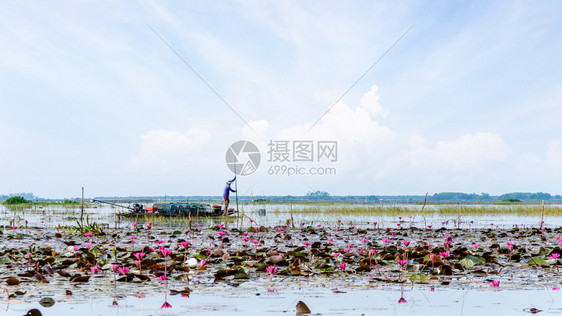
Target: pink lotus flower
[
  {"x": 342, "y": 266},
  {"x": 401, "y": 262},
  {"x": 132, "y": 237},
  {"x": 444, "y": 254},
  {"x": 88, "y": 234},
  {"x": 87, "y": 245},
  {"x": 185, "y": 244},
  {"x": 385, "y": 240},
  {"x": 331, "y": 239},
  {"x": 271, "y": 269},
  {"x": 148, "y": 226},
  {"x": 94, "y": 270},
  {"x": 166, "y": 305},
  {"x": 246, "y": 239},
  {"x": 165, "y": 252},
  {"x": 360, "y": 251},
  {"x": 159, "y": 241},
  {"x": 162, "y": 277},
  {"x": 137, "y": 263},
  {"x": 554, "y": 256},
  {"x": 337, "y": 254},
  {"x": 222, "y": 233},
  {"x": 495, "y": 283},
  {"x": 139, "y": 255},
  {"x": 114, "y": 267},
  {"x": 429, "y": 226},
  {"x": 346, "y": 250},
  {"x": 76, "y": 248},
  {"x": 245, "y": 233},
  {"x": 220, "y": 226},
  {"x": 307, "y": 244},
  {"x": 475, "y": 246},
  {"x": 123, "y": 270},
  {"x": 406, "y": 243}
]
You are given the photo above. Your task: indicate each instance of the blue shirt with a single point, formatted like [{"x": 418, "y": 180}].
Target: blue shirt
[{"x": 228, "y": 189}]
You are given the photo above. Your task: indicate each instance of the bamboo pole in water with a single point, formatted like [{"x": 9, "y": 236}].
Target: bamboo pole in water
[
  {"x": 82, "y": 208},
  {"x": 542, "y": 214}
]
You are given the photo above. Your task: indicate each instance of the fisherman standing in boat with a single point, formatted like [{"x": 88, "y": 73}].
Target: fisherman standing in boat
[{"x": 226, "y": 194}]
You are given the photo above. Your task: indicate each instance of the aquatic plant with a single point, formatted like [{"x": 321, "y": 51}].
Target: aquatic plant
[
  {"x": 555, "y": 256},
  {"x": 271, "y": 270}
]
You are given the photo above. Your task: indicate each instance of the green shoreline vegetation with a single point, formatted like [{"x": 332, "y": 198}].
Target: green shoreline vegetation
[{"x": 21, "y": 201}]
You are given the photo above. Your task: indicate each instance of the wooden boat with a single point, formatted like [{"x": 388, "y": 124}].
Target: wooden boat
[
  {"x": 176, "y": 209},
  {"x": 173, "y": 209}
]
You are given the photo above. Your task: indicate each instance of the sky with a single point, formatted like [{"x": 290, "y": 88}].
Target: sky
[{"x": 145, "y": 98}]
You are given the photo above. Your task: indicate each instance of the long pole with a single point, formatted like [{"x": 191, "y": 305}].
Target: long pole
[
  {"x": 236, "y": 189},
  {"x": 82, "y": 208}
]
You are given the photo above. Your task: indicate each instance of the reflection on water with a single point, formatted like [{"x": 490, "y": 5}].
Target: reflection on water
[{"x": 250, "y": 300}]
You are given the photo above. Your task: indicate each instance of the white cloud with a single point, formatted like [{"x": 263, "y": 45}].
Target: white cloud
[
  {"x": 370, "y": 102},
  {"x": 165, "y": 151},
  {"x": 465, "y": 152},
  {"x": 362, "y": 140}
]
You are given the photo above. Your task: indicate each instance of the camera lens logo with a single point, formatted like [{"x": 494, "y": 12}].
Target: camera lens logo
[{"x": 243, "y": 158}]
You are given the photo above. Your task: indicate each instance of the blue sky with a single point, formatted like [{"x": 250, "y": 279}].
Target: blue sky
[{"x": 469, "y": 100}]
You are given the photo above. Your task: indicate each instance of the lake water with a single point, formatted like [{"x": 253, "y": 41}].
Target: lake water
[
  {"x": 277, "y": 299},
  {"x": 355, "y": 295},
  {"x": 278, "y": 214}
]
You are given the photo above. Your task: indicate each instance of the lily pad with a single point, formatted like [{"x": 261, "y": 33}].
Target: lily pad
[
  {"x": 467, "y": 263},
  {"x": 476, "y": 260},
  {"x": 536, "y": 261},
  {"x": 13, "y": 281},
  {"x": 419, "y": 277},
  {"x": 47, "y": 302}
]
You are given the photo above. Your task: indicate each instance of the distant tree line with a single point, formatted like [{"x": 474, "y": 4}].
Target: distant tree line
[
  {"x": 322, "y": 196},
  {"x": 485, "y": 197}
]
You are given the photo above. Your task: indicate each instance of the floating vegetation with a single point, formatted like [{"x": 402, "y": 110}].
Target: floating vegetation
[{"x": 183, "y": 256}]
